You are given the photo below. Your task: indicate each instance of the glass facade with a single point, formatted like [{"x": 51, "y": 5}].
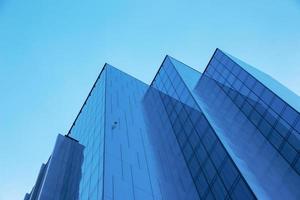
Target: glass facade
[
  {"x": 88, "y": 129},
  {"x": 221, "y": 134},
  {"x": 213, "y": 171},
  {"x": 274, "y": 118},
  {"x": 250, "y": 122},
  {"x": 59, "y": 178}
]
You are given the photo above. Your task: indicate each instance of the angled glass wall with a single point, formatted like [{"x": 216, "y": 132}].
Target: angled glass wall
[
  {"x": 213, "y": 171},
  {"x": 252, "y": 127},
  {"x": 88, "y": 129},
  {"x": 275, "y": 119}
]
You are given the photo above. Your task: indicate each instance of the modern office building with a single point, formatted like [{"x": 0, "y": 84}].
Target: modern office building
[{"x": 231, "y": 132}]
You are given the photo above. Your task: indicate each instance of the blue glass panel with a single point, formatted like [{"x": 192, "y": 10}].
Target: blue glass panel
[
  {"x": 246, "y": 108},
  {"x": 194, "y": 139},
  {"x": 243, "y": 75},
  {"x": 294, "y": 140},
  {"x": 201, "y": 153},
  {"x": 240, "y": 191},
  {"x": 236, "y": 70},
  {"x": 261, "y": 107},
  {"x": 218, "y": 189},
  {"x": 264, "y": 127},
  {"x": 267, "y": 96},
  {"x": 218, "y": 155},
  {"x": 228, "y": 173},
  {"x": 255, "y": 118},
  {"x": 209, "y": 139},
  {"x": 258, "y": 88},
  {"x": 202, "y": 185},
  {"x": 290, "y": 115},
  {"x": 209, "y": 170},
  {"x": 289, "y": 152},
  {"x": 271, "y": 117},
  {"x": 282, "y": 127},
  {"x": 297, "y": 165},
  {"x": 297, "y": 126},
  {"x": 277, "y": 105},
  {"x": 250, "y": 82},
  {"x": 276, "y": 139}
]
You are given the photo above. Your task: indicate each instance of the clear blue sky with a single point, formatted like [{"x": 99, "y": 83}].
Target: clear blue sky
[{"x": 51, "y": 52}]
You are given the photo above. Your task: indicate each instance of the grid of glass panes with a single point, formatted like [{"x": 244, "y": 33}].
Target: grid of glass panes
[
  {"x": 274, "y": 118},
  {"x": 159, "y": 117},
  {"x": 89, "y": 131},
  {"x": 213, "y": 171},
  {"x": 174, "y": 85}
]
